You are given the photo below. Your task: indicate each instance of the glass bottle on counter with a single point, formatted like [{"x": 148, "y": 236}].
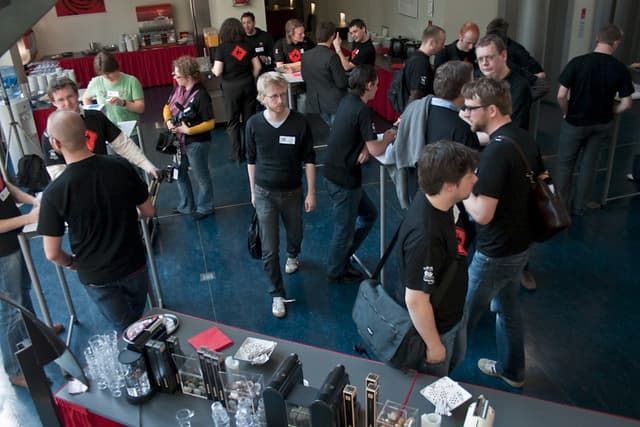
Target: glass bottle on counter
[{"x": 219, "y": 415}]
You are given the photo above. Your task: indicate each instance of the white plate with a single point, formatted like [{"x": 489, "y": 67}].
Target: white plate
[{"x": 255, "y": 350}]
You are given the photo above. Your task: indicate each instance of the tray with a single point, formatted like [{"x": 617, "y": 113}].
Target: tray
[
  {"x": 255, "y": 350},
  {"x": 170, "y": 321}
]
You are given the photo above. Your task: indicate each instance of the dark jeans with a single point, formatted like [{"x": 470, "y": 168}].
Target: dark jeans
[
  {"x": 240, "y": 102},
  {"x": 588, "y": 140},
  {"x": 354, "y": 215},
  {"x": 270, "y": 207},
  {"x": 121, "y": 301},
  {"x": 495, "y": 283}
]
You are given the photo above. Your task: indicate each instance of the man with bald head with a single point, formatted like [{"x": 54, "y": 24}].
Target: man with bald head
[{"x": 99, "y": 197}]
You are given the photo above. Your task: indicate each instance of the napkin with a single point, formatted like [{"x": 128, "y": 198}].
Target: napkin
[{"x": 212, "y": 338}]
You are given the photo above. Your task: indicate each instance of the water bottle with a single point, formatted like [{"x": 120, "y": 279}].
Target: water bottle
[{"x": 219, "y": 415}]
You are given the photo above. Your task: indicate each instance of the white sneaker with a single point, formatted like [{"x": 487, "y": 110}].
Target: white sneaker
[
  {"x": 488, "y": 367},
  {"x": 277, "y": 307},
  {"x": 291, "y": 266}
]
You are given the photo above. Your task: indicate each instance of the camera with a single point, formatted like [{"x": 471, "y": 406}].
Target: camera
[
  {"x": 167, "y": 174},
  {"x": 186, "y": 116}
]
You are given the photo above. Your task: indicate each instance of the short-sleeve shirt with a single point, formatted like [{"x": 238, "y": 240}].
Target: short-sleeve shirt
[
  {"x": 97, "y": 197},
  {"x": 429, "y": 242},
  {"x": 279, "y": 152},
  {"x": 418, "y": 73},
  {"x": 352, "y": 127},
  {"x": 452, "y": 53},
  {"x": 99, "y": 131},
  {"x": 291, "y": 53},
  {"x": 200, "y": 103},
  {"x": 236, "y": 57},
  {"x": 262, "y": 43},
  {"x": 594, "y": 79},
  {"x": 363, "y": 53},
  {"x": 8, "y": 209},
  {"x": 502, "y": 176},
  {"x": 445, "y": 123},
  {"x": 127, "y": 88}
]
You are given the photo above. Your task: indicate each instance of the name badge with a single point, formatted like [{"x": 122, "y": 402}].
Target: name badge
[
  {"x": 259, "y": 49},
  {"x": 4, "y": 193},
  {"x": 113, "y": 94},
  {"x": 289, "y": 140}
]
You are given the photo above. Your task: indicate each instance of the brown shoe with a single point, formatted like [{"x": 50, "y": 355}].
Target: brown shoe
[
  {"x": 19, "y": 381},
  {"x": 58, "y": 328}
]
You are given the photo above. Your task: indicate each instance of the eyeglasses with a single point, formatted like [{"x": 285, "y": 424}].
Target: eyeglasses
[
  {"x": 276, "y": 96},
  {"x": 466, "y": 107},
  {"x": 177, "y": 76},
  {"x": 486, "y": 58}
]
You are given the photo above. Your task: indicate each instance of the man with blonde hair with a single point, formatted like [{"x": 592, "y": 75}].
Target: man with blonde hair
[{"x": 279, "y": 143}]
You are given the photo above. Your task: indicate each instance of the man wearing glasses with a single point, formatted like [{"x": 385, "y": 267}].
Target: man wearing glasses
[
  {"x": 279, "y": 142},
  {"x": 492, "y": 61},
  {"x": 63, "y": 94},
  {"x": 499, "y": 205}
]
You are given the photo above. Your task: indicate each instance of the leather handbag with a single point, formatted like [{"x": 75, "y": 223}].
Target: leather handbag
[
  {"x": 254, "y": 244},
  {"x": 167, "y": 143},
  {"x": 548, "y": 211}
]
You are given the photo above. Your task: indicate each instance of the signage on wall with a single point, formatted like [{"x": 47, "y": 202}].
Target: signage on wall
[
  {"x": 240, "y": 2},
  {"x": 583, "y": 18},
  {"x": 79, "y": 7}
]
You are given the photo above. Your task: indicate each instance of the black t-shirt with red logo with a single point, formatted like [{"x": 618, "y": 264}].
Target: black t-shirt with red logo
[
  {"x": 236, "y": 57},
  {"x": 290, "y": 53},
  {"x": 100, "y": 130},
  {"x": 429, "y": 240},
  {"x": 363, "y": 53}
]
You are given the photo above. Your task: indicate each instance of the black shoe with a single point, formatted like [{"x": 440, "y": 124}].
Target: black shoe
[
  {"x": 351, "y": 275},
  {"x": 198, "y": 216}
]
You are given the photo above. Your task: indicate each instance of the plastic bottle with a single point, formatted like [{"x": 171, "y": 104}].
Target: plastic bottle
[
  {"x": 219, "y": 415},
  {"x": 244, "y": 418}
]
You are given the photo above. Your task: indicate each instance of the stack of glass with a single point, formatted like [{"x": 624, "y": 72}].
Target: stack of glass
[{"x": 102, "y": 363}]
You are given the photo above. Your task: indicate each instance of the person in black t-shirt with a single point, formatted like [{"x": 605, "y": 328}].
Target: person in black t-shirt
[
  {"x": 588, "y": 86},
  {"x": 351, "y": 142},
  {"x": 463, "y": 49},
  {"x": 432, "y": 256},
  {"x": 261, "y": 41},
  {"x": 362, "y": 50},
  {"x": 279, "y": 142},
  {"x": 492, "y": 60},
  {"x": 103, "y": 222},
  {"x": 418, "y": 72},
  {"x": 288, "y": 51},
  {"x": 238, "y": 66},
  {"x": 63, "y": 93},
  {"x": 500, "y": 206}
]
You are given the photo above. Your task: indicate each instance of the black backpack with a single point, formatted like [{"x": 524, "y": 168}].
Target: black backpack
[
  {"x": 398, "y": 94},
  {"x": 32, "y": 174}
]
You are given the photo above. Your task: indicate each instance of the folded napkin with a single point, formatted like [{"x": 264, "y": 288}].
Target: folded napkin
[{"x": 212, "y": 338}]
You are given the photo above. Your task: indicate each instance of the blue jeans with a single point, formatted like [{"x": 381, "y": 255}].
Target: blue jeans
[
  {"x": 455, "y": 343},
  {"x": 15, "y": 284},
  {"x": 198, "y": 158},
  {"x": 354, "y": 215},
  {"x": 328, "y": 118},
  {"x": 270, "y": 207},
  {"x": 121, "y": 301},
  {"x": 573, "y": 140},
  {"x": 495, "y": 282}
]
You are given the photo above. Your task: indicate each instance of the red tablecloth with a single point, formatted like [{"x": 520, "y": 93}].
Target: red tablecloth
[
  {"x": 380, "y": 103},
  {"x": 40, "y": 116},
  {"x": 73, "y": 415},
  {"x": 151, "y": 66}
]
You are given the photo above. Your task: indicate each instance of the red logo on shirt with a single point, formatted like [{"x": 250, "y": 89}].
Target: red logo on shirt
[
  {"x": 295, "y": 55},
  {"x": 461, "y": 237},
  {"x": 354, "y": 53},
  {"x": 239, "y": 53},
  {"x": 90, "y": 137}
]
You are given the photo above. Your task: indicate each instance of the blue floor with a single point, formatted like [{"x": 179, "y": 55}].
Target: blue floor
[{"x": 579, "y": 343}]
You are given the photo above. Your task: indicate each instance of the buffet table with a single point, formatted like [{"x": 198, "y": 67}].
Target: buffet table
[
  {"x": 152, "y": 67},
  {"x": 98, "y": 408}
]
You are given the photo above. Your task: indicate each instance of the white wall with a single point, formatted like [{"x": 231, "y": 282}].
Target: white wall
[
  {"x": 56, "y": 34},
  {"x": 449, "y": 14},
  {"x": 581, "y": 39}
]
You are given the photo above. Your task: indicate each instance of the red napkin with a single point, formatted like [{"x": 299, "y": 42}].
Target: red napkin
[{"x": 212, "y": 338}]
